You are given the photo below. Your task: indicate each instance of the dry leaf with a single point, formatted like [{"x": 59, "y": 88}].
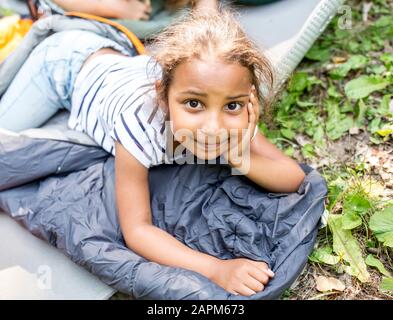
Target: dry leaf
[
  {"x": 354, "y": 130},
  {"x": 328, "y": 284},
  {"x": 338, "y": 60}
]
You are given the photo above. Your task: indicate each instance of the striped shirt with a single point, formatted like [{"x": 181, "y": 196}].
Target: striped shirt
[{"x": 114, "y": 100}]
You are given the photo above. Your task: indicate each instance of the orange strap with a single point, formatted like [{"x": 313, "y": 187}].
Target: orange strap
[{"x": 131, "y": 36}]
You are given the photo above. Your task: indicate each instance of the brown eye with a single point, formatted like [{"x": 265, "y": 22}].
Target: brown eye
[
  {"x": 193, "y": 103},
  {"x": 234, "y": 106}
]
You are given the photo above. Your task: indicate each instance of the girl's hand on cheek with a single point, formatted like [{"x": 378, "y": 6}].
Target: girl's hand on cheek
[{"x": 238, "y": 154}]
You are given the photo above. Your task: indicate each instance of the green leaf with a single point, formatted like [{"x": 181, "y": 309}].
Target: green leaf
[
  {"x": 374, "y": 125},
  {"x": 342, "y": 33},
  {"x": 289, "y": 151},
  {"x": 351, "y": 270},
  {"x": 375, "y": 140},
  {"x": 288, "y": 133},
  {"x": 355, "y": 202},
  {"x": 351, "y": 220},
  {"x": 383, "y": 21},
  {"x": 337, "y": 124},
  {"x": 346, "y": 246},
  {"x": 357, "y": 61},
  {"x": 353, "y": 46},
  {"x": 341, "y": 71},
  {"x": 263, "y": 127},
  {"x": 312, "y": 80},
  {"x": 332, "y": 91},
  {"x": 384, "y": 106},
  {"x": 305, "y": 104},
  {"x": 318, "y": 134},
  {"x": 370, "y": 244},
  {"x": 360, "y": 111},
  {"x": 364, "y": 85},
  {"x": 354, "y": 62},
  {"x": 336, "y": 129},
  {"x": 318, "y": 54},
  {"x": 386, "y": 284},
  {"x": 324, "y": 255},
  {"x": 347, "y": 106},
  {"x": 298, "y": 82},
  {"x": 381, "y": 224},
  {"x": 374, "y": 262},
  {"x": 387, "y": 59},
  {"x": 288, "y": 100},
  {"x": 336, "y": 188},
  {"x": 308, "y": 151},
  {"x": 376, "y": 69}
]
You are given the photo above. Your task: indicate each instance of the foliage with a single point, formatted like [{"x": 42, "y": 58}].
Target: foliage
[{"x": 342, "y": 89}]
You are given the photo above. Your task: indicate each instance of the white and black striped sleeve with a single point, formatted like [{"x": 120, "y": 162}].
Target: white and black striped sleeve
[{"x": 134, "y": 134}]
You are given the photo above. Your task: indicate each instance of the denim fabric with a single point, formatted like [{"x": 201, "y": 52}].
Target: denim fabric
[{"x": 44, "y": 83}]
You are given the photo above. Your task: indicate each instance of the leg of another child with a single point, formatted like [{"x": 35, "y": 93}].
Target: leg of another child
[
  {"x": 29, "y": 100},
  {"x": 45, "y": 82}
]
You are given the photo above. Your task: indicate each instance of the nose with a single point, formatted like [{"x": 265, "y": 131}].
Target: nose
[
  {"x": 211, "y": 130},
  {"x": 211, "y": 126}
]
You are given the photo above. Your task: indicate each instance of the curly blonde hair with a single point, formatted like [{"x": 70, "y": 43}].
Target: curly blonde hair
[{"x": 211, "y": 33}]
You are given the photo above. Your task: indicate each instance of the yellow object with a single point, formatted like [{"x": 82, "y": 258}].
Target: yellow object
[{"x": 12, "y": 30}]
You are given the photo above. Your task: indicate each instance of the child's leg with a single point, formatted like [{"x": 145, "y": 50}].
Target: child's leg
[
  {"x": 29, "y": 100},
  {"x": 44, "y": 84}
]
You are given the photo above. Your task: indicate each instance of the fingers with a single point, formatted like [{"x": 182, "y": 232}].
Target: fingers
[
  {"x": 253, "y": 109},
  {"x": 254, "y": 284},
  {"x": 254, "y": 101},
  {"x": 251, "y": 124},
  {"x": 245, "y": 291},
  {"x": 259, "y": 275},
  {"x": 260, "y": 265},
  {"x": 251, "y": 113}
]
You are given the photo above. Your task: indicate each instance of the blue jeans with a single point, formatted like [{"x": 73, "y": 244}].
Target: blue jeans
[{"x": 44, "y": 83}]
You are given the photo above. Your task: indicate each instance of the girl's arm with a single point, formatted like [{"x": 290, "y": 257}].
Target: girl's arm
[
  {"x": 238, "y": 276},
  {"x": 272, "y": 169},
  {"x": 120, "y": 9},
  {"x": 145, "y": 239}
]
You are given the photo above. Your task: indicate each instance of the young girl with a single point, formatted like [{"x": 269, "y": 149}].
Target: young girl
[{"x": 201, "y": 78}]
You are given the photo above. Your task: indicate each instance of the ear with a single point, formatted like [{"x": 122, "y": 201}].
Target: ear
[{"x": 158, "y": 85}]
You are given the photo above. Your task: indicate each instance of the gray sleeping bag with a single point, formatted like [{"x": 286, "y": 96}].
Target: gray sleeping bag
[{"x": 64, "y": 192}]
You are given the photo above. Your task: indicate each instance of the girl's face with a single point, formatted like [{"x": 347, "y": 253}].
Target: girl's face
[{"x": 207, "y": 101}]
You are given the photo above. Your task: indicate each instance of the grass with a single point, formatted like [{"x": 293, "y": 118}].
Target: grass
[{"x": 336, "y": 114}]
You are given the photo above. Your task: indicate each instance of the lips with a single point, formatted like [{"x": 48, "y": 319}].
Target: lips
[{"x": 208, "y": 146}]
